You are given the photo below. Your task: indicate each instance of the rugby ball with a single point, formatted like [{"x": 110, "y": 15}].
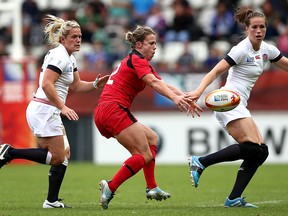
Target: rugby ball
[{"x": 222, "y": 100}]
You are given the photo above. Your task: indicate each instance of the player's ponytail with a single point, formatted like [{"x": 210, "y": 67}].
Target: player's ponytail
[
  {"x": 139, "y": 34},
  {"x": 243, "y": 15}
]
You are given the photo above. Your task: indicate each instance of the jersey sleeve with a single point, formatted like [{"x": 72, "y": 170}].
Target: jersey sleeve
[
  {"x": 274, "y": 53},
  {"x": 74, "y": 62},
  {"x": 142, "y": 66},
  {"x": 56, "y": 62},
  {"x": 236, "y": 54}
]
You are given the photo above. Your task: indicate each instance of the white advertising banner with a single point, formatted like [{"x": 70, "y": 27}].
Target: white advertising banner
[{"x": 181, "y": 136}]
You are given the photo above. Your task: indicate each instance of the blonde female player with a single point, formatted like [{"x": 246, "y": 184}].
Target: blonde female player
[
  {"x": 58, "y": 74},
  {"x": 245, "y": 63}
]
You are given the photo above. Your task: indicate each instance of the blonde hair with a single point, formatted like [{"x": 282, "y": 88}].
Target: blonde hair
[
  {"x": 139, "y": 34},
  {"x": 57, "y": 28}
]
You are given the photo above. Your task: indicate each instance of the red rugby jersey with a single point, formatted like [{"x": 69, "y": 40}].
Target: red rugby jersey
[{"x": 125, "y": 81}]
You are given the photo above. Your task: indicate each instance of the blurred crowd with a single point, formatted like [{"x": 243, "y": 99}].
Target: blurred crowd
[{"x": 193, "y": 35}]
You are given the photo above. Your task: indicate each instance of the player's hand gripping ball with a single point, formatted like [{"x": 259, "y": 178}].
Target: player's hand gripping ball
[{"x": 222, "y": 100}]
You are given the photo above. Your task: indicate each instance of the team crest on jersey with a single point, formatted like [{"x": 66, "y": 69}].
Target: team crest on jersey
[
  {"x": 250, "y": 59},
  {"x": 265, "y": 57},
  {"x": 69, "y": 69}
]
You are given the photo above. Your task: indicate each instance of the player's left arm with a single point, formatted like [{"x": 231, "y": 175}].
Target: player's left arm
[
  {"x": 282, "y": 63},
  {"x": 194, "y": 108}
]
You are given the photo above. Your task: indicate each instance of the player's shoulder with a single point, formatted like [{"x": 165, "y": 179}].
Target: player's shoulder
[
  {"x": 239, "y": 50},
  {"x": 137, "y": 60},
  {"x": 137, "y": 57},
  {"x": 243, "y": 46},
  {"x": 58, "y": 52},
  {"x": 268, "y": 46}
]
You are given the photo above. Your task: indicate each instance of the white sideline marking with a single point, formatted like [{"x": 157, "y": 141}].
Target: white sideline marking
[
  {"x": 262, "y": 202},
  {"x": 272, "y": 201}
]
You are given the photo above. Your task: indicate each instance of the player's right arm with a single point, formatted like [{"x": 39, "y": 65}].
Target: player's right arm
[
  {"x": 161, "y": 87},
  {"x": 49, "y": 79},
  {"x": 219, "y": 69}
]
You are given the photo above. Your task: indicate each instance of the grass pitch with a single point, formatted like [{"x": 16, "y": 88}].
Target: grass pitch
[{"x": 23, "y": 189}]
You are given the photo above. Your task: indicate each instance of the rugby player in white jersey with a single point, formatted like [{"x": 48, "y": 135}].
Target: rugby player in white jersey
[
  {"x": 245, "y": 63},
  {"x": 58, "y": 75}
]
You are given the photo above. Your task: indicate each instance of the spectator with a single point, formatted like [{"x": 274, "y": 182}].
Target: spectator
[
  {"x": 183, "y": 27},
  {"x": 281, "y": 7},
  {"x": 140, "y": 10},
  {"x": 276, "y": 26},
  {"x": 221, "y": 23},
  {"x": 157, "y": 22},
  {"x": 91, "y": 16},
  {"x": 213, "y": 58},
  {"x": 31, "y": 17},
  {"x": 98, "y": 59},
  {"x": 282, "y": 42},
  {"x": 99, "y": 34},
  {"x": 186, "y": 61},
  {"x": 119, "y": 12}
]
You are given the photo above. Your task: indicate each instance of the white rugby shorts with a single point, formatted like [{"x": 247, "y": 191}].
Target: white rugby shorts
[
  {"x": 237, "y": 113},
  {"x": 44, "y": 120}
]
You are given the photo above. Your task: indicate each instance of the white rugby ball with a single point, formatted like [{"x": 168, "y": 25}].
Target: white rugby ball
[{"x": 222, "y": 100}]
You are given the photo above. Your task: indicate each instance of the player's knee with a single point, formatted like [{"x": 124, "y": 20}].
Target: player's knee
[
  {"x": 265, "y": 153},
  {"x": 67, "y": 153},
  {"x": 57, "y": 160},
  {"x": 147, "y": 157},
  {"x": 153, "y": 139},
  {"x": 66, "y": 161},
  {"x": 254, "y": 152}
]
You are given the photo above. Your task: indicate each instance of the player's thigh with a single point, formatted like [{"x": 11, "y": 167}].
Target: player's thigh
[
  {"x": 55, "y": 145},
  {"x": 244, "y": 129},
  {"x": 134, "y": 139},
  {"x": 151, "y": 135}
]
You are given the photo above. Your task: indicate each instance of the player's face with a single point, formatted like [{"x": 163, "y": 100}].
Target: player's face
[
  {"x": 72, "y": 41},
  {"x": 256, "y": 31},
  {"x": 148, "y": 47}
]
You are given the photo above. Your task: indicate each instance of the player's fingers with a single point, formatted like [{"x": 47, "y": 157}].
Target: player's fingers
[
  {"x": 197, "y": 112},
  {"x": 72, "y": 115}
]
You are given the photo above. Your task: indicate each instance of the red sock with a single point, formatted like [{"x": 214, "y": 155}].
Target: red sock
[
  {"x": 129, "y": 168},
  {"x": 150, "y": 168}
]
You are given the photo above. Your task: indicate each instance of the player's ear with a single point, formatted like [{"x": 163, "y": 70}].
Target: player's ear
[
  {"x": 61, "y": 39},
  {"x": 138, "y": 45}
]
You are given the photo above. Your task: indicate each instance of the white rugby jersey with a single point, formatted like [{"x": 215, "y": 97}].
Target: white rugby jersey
[
  {"x": 248, "y": 65},
  {"x": 59, "y": 61}
]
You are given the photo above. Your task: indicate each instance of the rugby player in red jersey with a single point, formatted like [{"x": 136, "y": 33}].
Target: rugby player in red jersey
[{"x": 113, "y": 117}]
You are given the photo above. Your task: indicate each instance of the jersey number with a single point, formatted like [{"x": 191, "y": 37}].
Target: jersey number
[{"x": 110, "y": 81}]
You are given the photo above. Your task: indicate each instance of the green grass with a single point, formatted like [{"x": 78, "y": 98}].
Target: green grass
[{"x": 23, "y": 190}]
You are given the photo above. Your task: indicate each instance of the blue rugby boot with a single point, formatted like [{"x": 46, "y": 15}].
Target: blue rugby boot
[
  {"x": 238, "y": 202},
  {"x": 196, "y": 169}
]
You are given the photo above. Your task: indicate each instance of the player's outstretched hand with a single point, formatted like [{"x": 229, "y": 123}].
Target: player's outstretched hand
[
  {"x": 194, "y": 95},
  {"x": 182, "y": 102},
  {"x": 194, "y": 109}
]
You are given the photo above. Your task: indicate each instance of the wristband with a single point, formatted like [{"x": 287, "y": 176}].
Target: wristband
[{"x": 95, "y": 83}]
